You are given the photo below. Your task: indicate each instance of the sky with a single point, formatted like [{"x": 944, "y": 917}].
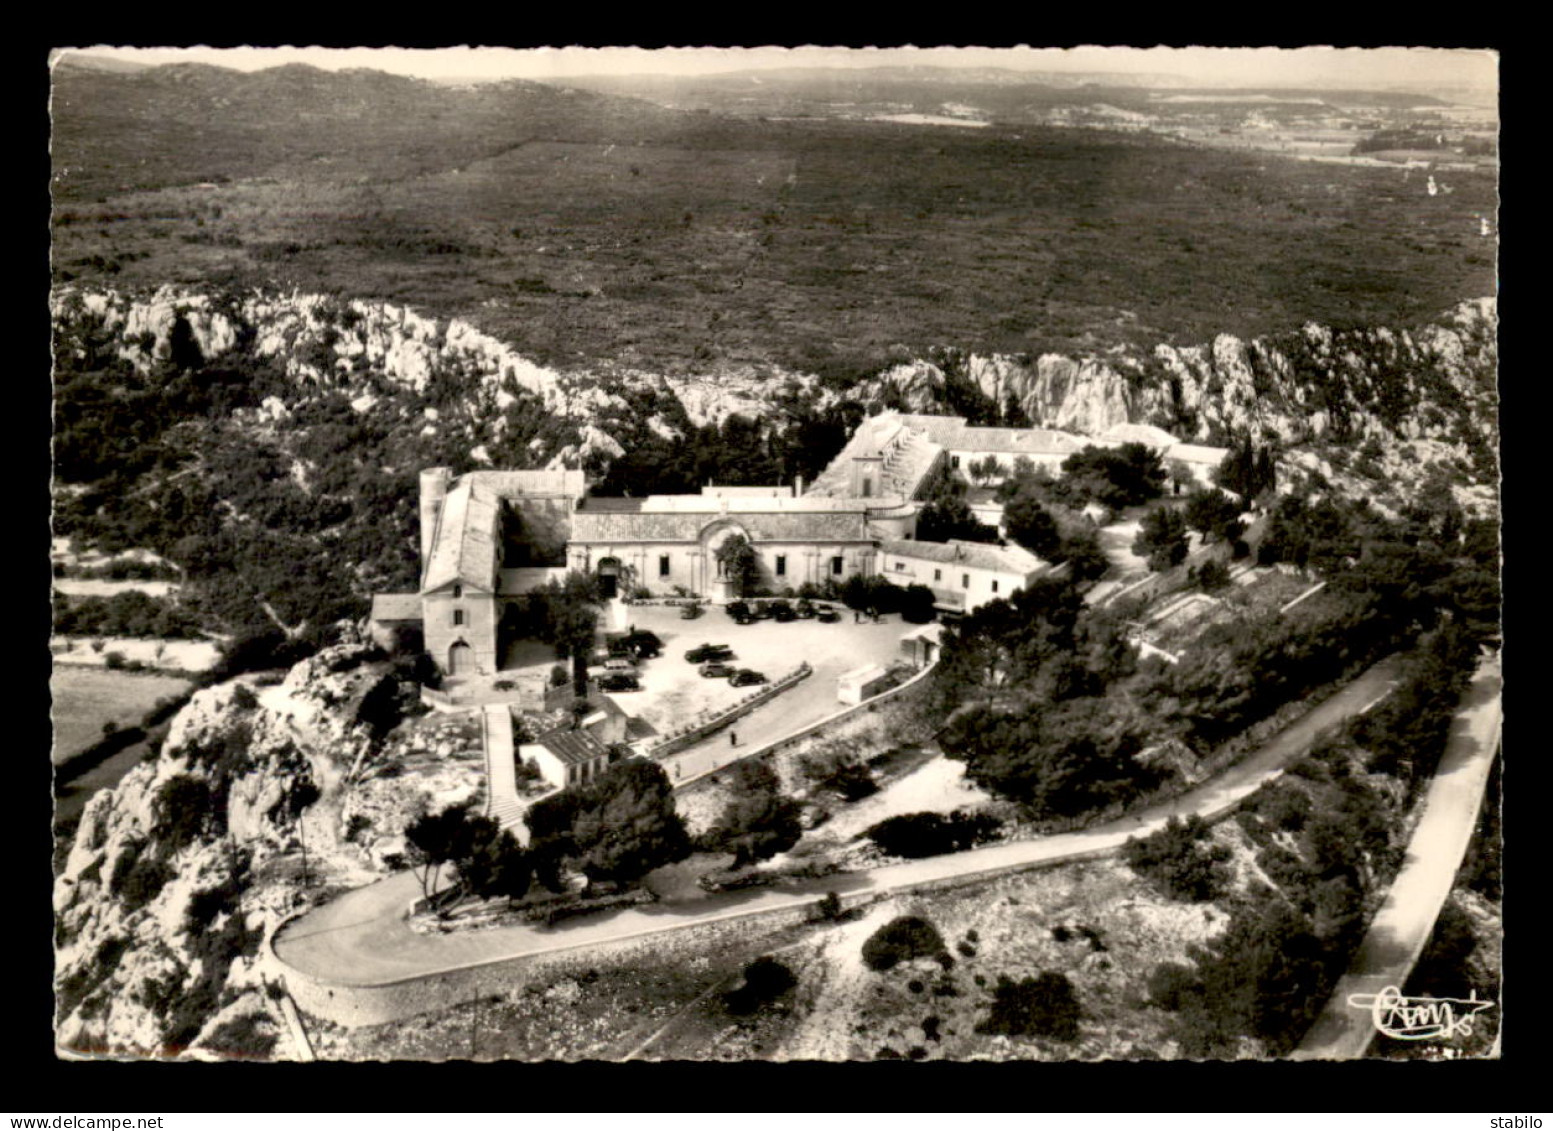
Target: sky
[{"x": 1354, "y": 67}]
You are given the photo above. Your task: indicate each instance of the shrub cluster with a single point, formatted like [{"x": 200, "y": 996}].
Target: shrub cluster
[
  {"x": 914, "y": 835},
  {"x": 901, "y": 940}
]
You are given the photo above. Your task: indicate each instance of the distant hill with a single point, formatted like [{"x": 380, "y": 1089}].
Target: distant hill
[
  {"x": 121, "y": 130},
  {"x": 106, "y": 63}
]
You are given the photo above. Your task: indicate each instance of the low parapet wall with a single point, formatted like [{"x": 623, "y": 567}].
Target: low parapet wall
[
  {"x": 698, "y": 731},
  {"x": 916, "y": 682},
  {"x": 356, "y": 1006}
]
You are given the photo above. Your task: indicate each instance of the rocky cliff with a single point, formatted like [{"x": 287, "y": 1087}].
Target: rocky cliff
[
  {"x": 1420, "y": 406},
  {"x": 1422, "y": 401},
  {"x": 262, "y": 801}
]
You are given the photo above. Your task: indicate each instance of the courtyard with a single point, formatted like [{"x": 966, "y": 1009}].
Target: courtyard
[{"x": 674, "y": 691}]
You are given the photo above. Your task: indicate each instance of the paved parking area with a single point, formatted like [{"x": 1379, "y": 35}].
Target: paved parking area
[{"x": 674, "y": 690}]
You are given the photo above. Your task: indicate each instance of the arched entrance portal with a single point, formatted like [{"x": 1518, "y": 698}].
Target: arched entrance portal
[
  {"x": 723, "y": 583},
  {"x": 609, "y": 572},
  {"x": 461, "y": 659}
]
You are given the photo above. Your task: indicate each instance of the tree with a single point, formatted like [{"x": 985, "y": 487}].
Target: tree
[
  {"x": 434, "y": 839},
  {"x": 1180, "y": 860},
  {"x": 855, "y": 593},
  {"x": 624, "y": 824},
  {"x": 1161, "y": 539},
  {"x": 738, "y": 562},
  {"x": 917, "y": 604},
  {"x": 765, "y": 980},
  {"x": 901, "y": 940},
  {"x": 948, "y": 517},
  {"x": 496, "y": 867},
  {"x": 1181, "y": 477},
  {"x": 1213, "y": 514},
  {"x": 571, "y": 623},
  {"x": 981, "y": 470},
  {"x": 1212, "y": 576},
  {"x": 1246, "y": 471},
  {"x": 1117, "y": 477},
  {"x": 1034, "y": 1007},
  {"x": 1082, "y": 551},
  {"x": 1031, "y": 525},
  {"x": 915, "y": 835},
  {"x": 758, "y": 821}
]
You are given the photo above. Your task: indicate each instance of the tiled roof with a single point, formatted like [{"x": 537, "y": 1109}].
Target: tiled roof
[
  {"x": 1145, "y": 434},
  {"x": 977, "y": 555},
  {"x": 941, "y": 430},
  {"x": 1019, "y": 441},
  {"x": 465, "y": 549},
  {"x": 1197, "y": 453},
  {"x": 396, "y": 606},
  {"x": 954, "y": 434},
  {"x": 612, "y": 525},
  {"x": 530, "y": 484},
  {"x": 573, "y": 747}
]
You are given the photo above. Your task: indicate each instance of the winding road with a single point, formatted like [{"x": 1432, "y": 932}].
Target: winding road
[{"x": 363, "y": 938}]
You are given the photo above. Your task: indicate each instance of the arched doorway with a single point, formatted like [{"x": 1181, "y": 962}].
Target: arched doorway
[
  {"x": 722, "y": 584},
  {"x": 609, "y": 572},
  {"x": 461, "y": 659}
]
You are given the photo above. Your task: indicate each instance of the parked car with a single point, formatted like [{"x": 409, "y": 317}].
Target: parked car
[
  {"x": 761, "y": 611},
  {"x": 783, "y": 612},
  {"x": 805, "y": 609},
  {"x": 827, "y": 616},
  {"x": 705, "y": 652},
  {"x": 643, "y": 645},
  {"x": 619, "y": 664},
  {"x": 744, "y": 677},
  {"x": 689, "y": 612},
  {"x": 619, "y": 681},
  {"x": 717, "y": 671},
  {"x": 737, "y": 610}
]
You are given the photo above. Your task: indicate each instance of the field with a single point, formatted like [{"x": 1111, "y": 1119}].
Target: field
[
  {"x": 692, "y": 242},
  {"x": 85, "y": 699}
]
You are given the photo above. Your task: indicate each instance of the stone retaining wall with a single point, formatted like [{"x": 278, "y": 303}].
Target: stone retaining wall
[{"x": 355, "y": 1006}]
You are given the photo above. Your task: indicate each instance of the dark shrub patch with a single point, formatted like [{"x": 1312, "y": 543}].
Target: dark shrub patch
[
  {"x": 914, "y": 835},
  {"x": 765, "y": 980},
  {"x": 1034, "y": 1007},
  {"x": 901, "y": 940}
]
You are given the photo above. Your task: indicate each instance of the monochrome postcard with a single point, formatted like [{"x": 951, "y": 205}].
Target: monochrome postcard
[{"x": 775, "y": 554}]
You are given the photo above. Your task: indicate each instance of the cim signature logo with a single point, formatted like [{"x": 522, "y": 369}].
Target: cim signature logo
[{"x": 1420, "y": 1018}]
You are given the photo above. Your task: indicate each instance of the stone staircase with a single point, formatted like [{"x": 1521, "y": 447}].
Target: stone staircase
[
  {"x": 910, "y": 458},
  {"x": 502, "y": 802}
]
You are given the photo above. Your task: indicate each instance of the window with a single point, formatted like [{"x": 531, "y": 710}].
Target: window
[
  {"x": 965, "y": 581},
  {"x": 458, "y": 591},
  {"x": 900, "y": 567},
  {"x": 994, "y": 586},
  {"x": 663, "y": 565},
  {"x": 954, "y": 463},
  {"x": 781, "y": 565},
  {"x": 938, "y": 575},
  {"x": 868, "y": 488},
  {"x": 836, "y": 566},
  {"x": 458, "y": 616}
]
